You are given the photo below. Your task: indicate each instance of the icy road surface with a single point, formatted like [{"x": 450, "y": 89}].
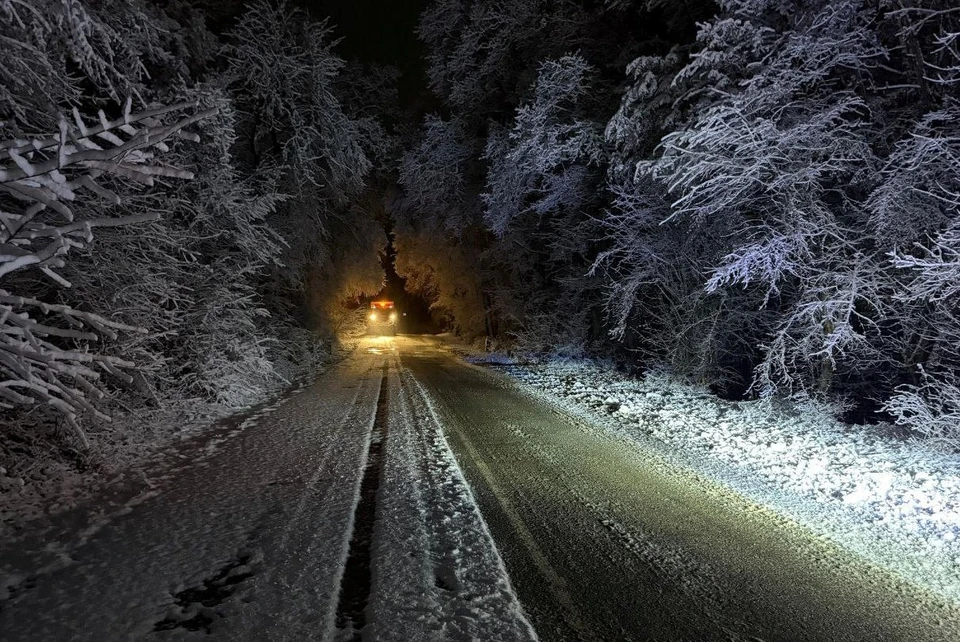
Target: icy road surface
[{"x": 341, "y": 513}]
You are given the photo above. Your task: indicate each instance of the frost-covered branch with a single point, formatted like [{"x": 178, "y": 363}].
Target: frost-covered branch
[
  {"x": 931, "y": 409},
  {"x": 42, "y": 176},
  {"x": 543, "y": 163},
  {"x": 44, "y": 351},
  {"x": 433, "y": 172},
  {"x": 935, "y": 270}
]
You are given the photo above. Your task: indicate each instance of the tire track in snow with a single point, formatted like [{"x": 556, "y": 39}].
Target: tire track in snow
[
  {"x": 319, "y": 469},
  {"x": 316, "y": 492},
  {"x": 356, "y": 580},
  {"x": 437, "y": 575},
  {"x": 554, "y": 581},
  {"x": 447, "y": 473}
]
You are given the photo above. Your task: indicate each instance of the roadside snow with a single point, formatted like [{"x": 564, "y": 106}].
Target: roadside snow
[
  {"x": 44, "y": 482},
  {"x": 42, "y": 477},
  {"x": 238, "y": 534},
  {"x": 896, "y": 502}
]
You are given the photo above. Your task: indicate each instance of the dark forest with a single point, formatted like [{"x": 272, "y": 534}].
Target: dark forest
[{"x": 759, "y": 196}]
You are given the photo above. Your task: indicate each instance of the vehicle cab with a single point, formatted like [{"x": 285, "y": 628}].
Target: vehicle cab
[{"x": 382, "y": 318}]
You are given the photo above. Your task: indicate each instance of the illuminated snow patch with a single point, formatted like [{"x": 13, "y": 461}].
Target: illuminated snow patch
[{"x": 897, "y": 502}]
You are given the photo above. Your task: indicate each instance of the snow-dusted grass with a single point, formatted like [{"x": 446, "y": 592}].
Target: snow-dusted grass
[{"x": 894, "y": 501}]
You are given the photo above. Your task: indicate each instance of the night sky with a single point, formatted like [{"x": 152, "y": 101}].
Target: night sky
[{"x": 378, "y": 31}]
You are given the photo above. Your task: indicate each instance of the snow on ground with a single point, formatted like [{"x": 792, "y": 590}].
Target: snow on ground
[
  {"x": 438, "y": 573},
  {"x": 43, "y": 482},
  {"x": 244, "y": 532},
  {"x": 238, "y": 534},
  {"x": 38, "y": 480},
  {"x": 894, "y": 501}
]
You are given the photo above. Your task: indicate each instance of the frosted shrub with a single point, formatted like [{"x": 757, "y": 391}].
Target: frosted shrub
[
  {"x": 931, "y": 410},
  {"x": 298, "y": 354},
  {"x": 45, "y": 346}
]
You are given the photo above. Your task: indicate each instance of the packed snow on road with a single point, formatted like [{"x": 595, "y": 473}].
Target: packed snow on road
[{"x": 265, "y": 528}]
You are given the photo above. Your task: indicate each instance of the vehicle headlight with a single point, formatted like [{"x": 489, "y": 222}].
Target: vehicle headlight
[
  {"x": 393, "y": 316},
  {"x": 373, "y": 316}
]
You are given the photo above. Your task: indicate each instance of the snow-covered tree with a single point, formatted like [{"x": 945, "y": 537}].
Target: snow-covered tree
[
  {"x": 47, "y": 184},
  {"x": 930, "y": 337},
  {"x": 808, "y": 151},
  {"x": 284, "y": 67},
  {"x": 40, "y": 39},
  {"x": 434, "y": 175},
  {"x": 299, "y": 135},
  {"x": 448, "y": 274},
  {"x": 185, "y": 293},
  {"x": 916, "y": 210},
  {"x": 473, "y": 47},
  {"x": 546, "y": 160},
  {"x": 780, "y": 154},
  {"x": 193, "y": 281},
  {"x": 543, "y": 179},
  {"x": 284, "y": 76},
  {"x": 920, "y": 188}
]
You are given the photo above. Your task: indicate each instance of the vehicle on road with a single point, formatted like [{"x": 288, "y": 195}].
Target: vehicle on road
[{"x": 382, "y": 319}]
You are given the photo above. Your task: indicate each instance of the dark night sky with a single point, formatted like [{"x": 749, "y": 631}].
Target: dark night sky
[{"x": 381, "y": 31}]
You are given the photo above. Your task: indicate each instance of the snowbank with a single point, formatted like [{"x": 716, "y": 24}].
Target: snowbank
[{"x": 44, "y": 477}]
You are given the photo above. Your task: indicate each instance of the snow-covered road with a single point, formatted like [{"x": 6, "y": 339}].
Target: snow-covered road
[
  {"x": 264, "y": 530},
  {"x": 343, "y": 512},
  {"x": 607, "y": 540}
]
